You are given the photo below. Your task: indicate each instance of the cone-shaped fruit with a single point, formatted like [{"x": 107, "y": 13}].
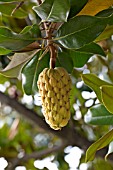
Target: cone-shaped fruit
[{"x": 54, "y": 87}]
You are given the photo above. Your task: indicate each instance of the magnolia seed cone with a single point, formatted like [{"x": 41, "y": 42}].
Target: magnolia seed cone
[{"x": 54, "y": 87}]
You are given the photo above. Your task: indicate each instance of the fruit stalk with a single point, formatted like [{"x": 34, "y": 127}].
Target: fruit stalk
[{"x": 53, "y": 54}]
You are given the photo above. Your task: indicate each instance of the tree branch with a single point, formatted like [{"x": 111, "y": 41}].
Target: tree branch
[
  {"x": 69, "y": 135},
  {"x": 17, "y": 7},
  {"x": 39, "y": 121},
  {"x": 34, "y": 155}
]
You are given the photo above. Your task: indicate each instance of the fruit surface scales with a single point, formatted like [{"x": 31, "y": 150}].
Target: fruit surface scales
[{"x": 54, "y": 87}]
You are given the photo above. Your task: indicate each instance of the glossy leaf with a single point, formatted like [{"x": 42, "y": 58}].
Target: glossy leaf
[
  {"x": 107, "y": 97},
  {"x": 33, "y": 30},
  {"x": 7, "y": 9},
  {"x": 92, "y": 49},
  {"x": 80, "y": 58},
  {"x": 99, "y": 115},
  {"x": 11, "y": 40},
  {"x": 80, "y": 30},
  {"x": 82, "y": 55},
  {"x": 26, "y": 29},
  {"x": 65, "y": 60},
  {"x": 53, "y": 10},
  {"x": 76, "y": 6},
  {"x": 4, "y": 51},
  {"x": 31, "y": 72},
  {"x": 99, "y": 144},
  {"x": 95, "y": 6},
  {"x": 107, "y": 13},
  {"x": 77, "y": 58},
  {"x": 16, "y": 64},
  {"x": 94, "y": 83}
]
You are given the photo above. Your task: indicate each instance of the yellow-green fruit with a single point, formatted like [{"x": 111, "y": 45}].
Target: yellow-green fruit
[{"x": 54, "y": 87}]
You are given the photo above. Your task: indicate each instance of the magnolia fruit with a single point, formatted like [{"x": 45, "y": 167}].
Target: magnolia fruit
[{"x": 54, "y": 87}]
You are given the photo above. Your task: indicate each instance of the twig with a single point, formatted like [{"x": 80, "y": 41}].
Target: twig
[
  {"x": 34, "y": 155},
  {"x": 43, "y": 54},
  {"x": 53, "y": 54},
  {"x": 17, "y": 7}
]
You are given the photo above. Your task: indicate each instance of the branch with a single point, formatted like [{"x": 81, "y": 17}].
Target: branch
[
  {"x": 34, "y": 155},
  {"x": 21, "y": 109},
  {"x": 17, "y": 7},
  {"x": 69, "y": 135},
  {"x": 74, "y": 138}
]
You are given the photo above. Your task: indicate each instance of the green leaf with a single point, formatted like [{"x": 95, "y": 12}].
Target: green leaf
[
  {"x": 6, "y": 9},
  {"x": 70, "y": 58},
  {"x": 99, "y": 144},
  {"x": 105, "y": 13},
  {"x": 11, "y": 40},
  {"x": 77, "y": 58},
  {"x": 18, "y": 61},
  {"x": 3, "y": 79},
  {"x": 107, "y": 33},
  {"x": 109, "y": 29},
  {"x": 80, "y": 30},
  {"x": 82, "y": 55},
  {"x": 92, "y": 49},
  {"x": 65, "y": 60},
  {"x": 94, "y": 83},
  {"x": 4, "y": 51},
  {"x": 76, "y": 6},
  {"x": 33, "y": 30},
  {"x": 53, "y": 10},
  {"x": 80, "y": 59},
  {"x": 107, "y": 97},
  {"x": 26, "y": 29},
  {"x": 31, "y": 72},
  {"x": 98, "y": 115}
]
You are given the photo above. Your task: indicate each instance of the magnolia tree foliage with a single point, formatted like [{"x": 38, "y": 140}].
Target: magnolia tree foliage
[{"x": 74, "y": 35}]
